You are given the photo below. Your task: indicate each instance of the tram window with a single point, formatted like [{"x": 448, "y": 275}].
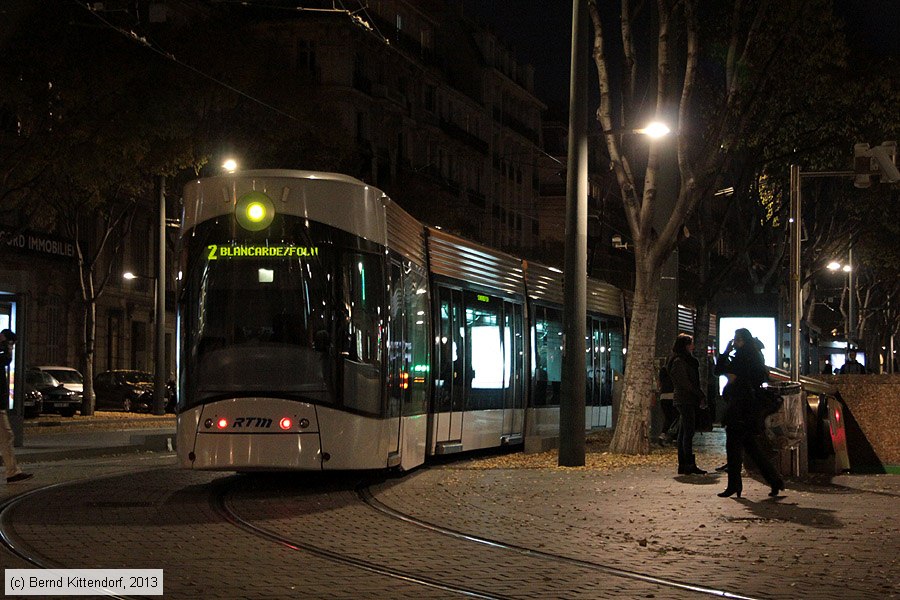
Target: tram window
[
  {"x": 408, "y": 368},
  {"x": 255, "y": 323},
  {"x": 447, "y": 352},
  {"x": 616, "y": 362},
  {"x": 363, "y": 292},
  {"x": 398, "y": 374},
  {"x": 546, "y": 349},
  {"x": 596, "y": 362},
  {"x": 417, "y": 331},
  {"x": 487, "y": 368}
]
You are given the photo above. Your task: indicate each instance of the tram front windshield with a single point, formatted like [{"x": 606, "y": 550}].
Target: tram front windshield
[{"x": 263, "y": 316}]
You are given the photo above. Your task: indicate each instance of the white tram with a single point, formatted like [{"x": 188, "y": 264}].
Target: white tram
[{"x": 322, "y": 327}]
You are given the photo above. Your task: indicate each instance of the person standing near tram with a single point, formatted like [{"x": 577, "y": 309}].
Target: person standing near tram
[
  {"x": 13, "y": 472},
  {"x": 684, "y": 370}
]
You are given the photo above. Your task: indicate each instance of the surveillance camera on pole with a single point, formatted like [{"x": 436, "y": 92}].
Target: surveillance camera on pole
[{"x": 880, "y": 161}]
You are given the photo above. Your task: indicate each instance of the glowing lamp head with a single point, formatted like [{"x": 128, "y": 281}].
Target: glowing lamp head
[
  {"x": 286, "y": 423},
  {"x": 254, "y": 211}
]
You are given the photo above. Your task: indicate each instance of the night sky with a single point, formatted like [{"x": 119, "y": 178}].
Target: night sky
[
  {"x": 541, "y": 36},
  {"x": 538, "y": 36}
]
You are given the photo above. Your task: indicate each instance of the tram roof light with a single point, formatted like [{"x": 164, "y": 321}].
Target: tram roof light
[{"x": 256, "y": 212}]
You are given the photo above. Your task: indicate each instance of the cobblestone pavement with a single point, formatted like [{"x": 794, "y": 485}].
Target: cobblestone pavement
[{"x": 830, "y": 537}]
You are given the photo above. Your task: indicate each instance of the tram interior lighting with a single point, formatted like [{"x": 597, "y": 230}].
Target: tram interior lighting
[{"x": 266, "y": 275}]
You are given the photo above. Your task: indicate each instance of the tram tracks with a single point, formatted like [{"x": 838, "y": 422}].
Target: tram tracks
[
  {"x": 533, "y": 565},
  {"x": 15, "y": 545},
  {"x": 338, "y": 523},
  {"x": 224, "y": 507},
  {"x": 369, "y": 499}
]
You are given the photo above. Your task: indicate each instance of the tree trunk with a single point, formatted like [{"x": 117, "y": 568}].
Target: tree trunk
[
  {"x": 632, "y": 433},
  {"x": 90, "y": 330}
]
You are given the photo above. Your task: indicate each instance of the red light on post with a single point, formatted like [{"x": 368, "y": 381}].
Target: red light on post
[
  {"x": 286, "y": 423},
  {"x": 222, "y": 423}
]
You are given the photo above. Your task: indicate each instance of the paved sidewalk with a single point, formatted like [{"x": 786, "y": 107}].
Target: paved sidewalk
[
  {"x": 56, "y": 438},
  {"x": 826, "y": 537}
]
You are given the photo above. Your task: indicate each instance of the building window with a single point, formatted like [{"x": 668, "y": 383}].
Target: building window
[
  {"x": 429, "y": 99},
  {"x": 306, "y": 56},
  {"x": 54, "y": 329},
  {"x": 362, "y": 127}
]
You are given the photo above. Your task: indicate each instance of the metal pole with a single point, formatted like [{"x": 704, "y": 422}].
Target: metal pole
[
  {"x": 159, "y": 381},
  {"x": 851, "y": 305},
  {"x": 571, "y": 413},
  {"x": 795, "y": 272},
  {"x": 890, "y": 361}
]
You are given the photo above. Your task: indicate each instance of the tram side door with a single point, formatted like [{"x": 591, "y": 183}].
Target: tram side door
[
  {"x": 450, "y": 353},
  {"x": 514, "y": 369}
]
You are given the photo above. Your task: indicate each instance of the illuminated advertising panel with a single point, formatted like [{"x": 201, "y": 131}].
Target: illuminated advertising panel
[{"x": 762, "y": 328}]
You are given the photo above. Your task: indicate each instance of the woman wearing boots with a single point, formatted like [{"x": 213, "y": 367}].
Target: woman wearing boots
[
  {"x": 684, "y": 371},
  {"x": 746, "y": 372}
]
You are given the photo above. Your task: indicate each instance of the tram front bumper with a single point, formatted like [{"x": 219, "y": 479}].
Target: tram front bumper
[{"x": 256, "y": 452}]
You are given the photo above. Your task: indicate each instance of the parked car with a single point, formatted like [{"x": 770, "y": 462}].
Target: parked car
[
  {"x": 56, "y": 397},
  {"x": 125, "y": 390},
  {"x": 34, "y": 401},
  {"x": 69, "y": 377}
]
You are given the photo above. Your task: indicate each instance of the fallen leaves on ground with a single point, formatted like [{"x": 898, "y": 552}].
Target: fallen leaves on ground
[{"x": 597, "y": 457}]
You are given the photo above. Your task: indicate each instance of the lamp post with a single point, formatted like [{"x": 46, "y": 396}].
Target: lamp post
[
  {"x": 159, "y": 381},
  {"x": 834, "y": 266},
  {"x": 571, "y": 410}
]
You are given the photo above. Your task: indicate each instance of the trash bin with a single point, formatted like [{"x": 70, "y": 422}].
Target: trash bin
[{"x": 786, "y": 427}]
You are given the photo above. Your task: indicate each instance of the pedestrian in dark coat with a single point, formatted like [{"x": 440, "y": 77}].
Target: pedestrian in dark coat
[
  {"x": 746, "y": 372},
  {"x": 684, "y": 371},
  {"x": 852, "y": 366}
]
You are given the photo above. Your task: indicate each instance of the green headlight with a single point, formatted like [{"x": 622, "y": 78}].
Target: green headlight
[{"x": 254, "y": 211}]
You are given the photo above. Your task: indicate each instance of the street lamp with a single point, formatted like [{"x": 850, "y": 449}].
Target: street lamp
[
  {"x": 655, "y": 130},
  {"x": 159, "y": 310},
  {"x": 835, "y": 266},
  {"x": 230, "y": 165}
]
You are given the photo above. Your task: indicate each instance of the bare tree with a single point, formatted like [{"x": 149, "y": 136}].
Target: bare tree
[
  {"x": 98, "y": 221},
  {"x": 714, "y": 111}
]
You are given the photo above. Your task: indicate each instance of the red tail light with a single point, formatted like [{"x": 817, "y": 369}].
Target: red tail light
[
  {"x": 286, "y": 423},
  {"x": 222, "y": 423}
]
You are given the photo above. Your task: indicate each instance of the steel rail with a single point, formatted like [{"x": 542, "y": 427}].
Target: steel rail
[
  {"x": 220, "y": 503},
  {"x": 366, "y": 496}
]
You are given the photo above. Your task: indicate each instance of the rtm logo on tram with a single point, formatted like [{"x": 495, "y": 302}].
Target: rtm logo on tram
[{"x": 258, "y": 422}]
